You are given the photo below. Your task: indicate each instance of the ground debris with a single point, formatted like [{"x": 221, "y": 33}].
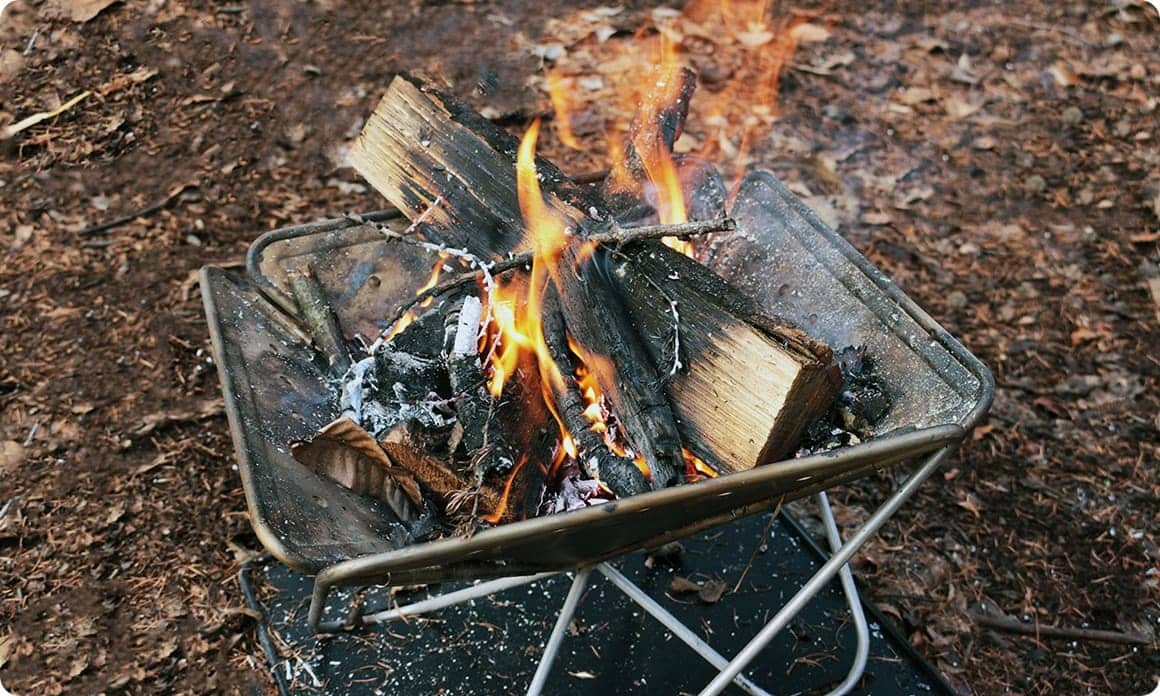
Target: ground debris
[{"x": 1039, "y": 222}]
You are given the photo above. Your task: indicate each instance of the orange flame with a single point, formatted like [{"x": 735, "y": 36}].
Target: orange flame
[
  {"x": 655, "y": 156},
  {"x": 596, "y": 410},
  {"x": 558, "y": 92},
  {"x": 408, "y": 318},
  {"x": 500, "y": 510},
  {"x": 697, "y": 468},
  {"x": 518, "y": 324}
]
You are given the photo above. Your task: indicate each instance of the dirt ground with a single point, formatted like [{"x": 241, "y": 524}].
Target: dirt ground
[{"x": 998, "y": 161}]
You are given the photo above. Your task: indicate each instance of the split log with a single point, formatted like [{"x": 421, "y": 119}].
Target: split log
[
  {"x": 419, "y": 145},
  {"x": 746, "y": 383}
]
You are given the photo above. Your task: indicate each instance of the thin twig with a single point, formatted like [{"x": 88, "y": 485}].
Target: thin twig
[
  {"x": 126, "y": 219},
  {"x": 1013, "y": 625},
  {"x": 15, "y": 128},
  {"x": 617, "y": 235},
  {"x": 625, "y": 235},
  {"x": 31, "y": 41},
  {"x": 764, "y": 535}
]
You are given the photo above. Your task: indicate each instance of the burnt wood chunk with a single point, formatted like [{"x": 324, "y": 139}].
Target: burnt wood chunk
[
  {"x": 483, "y": 439},
  {"x": 620, "y": 474}
]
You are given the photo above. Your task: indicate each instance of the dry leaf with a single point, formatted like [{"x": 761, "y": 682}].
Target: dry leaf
[
  {"x": 682, "y": 585},
  {"x": 915, "y": 95},
  {"x": 346, "y": 453},
  {"x": 712, "y": 591},
  {"x": 203, "y": 410},
  {"x": 1063, "y": 76},
  {"x": 809, "y": 33},
  {"x": 1154, "y": 288},
  {"x": 6, "y": 644},
  {"x": 984, "y": 142},
  {"x": 969, "y": 503},
  {"x": 79, "y": 11},
  {"x": 1083, "y": 335},
  {"x": 11, "y": 457},
  {"x": 876, "y": 218},
  {"x": 958, "y": 108}
]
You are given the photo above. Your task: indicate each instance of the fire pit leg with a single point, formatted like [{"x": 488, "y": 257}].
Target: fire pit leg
[
  {"x": 825, "y": 574},
  {"x": 579, "y": 583},
  {"x": 851, "y": 591},
  {"x": 675, "y": 626},
  {"x": 443, "y": 601}
]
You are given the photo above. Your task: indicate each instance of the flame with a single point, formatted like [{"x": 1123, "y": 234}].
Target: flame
[
  {"x": 739, "y": 48},
  {"x": 518, "y": 324},
  {"x": 436, "y": 271},
  {"x": 697, "y": 468},
  {"x": 500, "y": 510},
  {"x": 404, "y": 321},
  {"x": 558, "y": 92},
  {"x": 596, "y": 408}
]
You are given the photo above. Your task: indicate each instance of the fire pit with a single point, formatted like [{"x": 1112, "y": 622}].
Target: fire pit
[
  {"x": 280, "y": 370},
  {"x": 277, "y": 391}
]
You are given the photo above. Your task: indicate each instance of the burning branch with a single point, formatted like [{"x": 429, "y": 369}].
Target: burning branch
[{"x": 617, "y": 236}]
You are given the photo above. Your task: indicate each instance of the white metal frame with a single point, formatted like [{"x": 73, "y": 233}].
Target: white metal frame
[{"x": 729, "y": 670}]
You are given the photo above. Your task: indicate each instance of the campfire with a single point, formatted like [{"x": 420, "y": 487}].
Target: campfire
[{"x": 564, "y": 347}]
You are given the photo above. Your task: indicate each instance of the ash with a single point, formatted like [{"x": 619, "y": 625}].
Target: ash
[{"x": 861, "y": 404}]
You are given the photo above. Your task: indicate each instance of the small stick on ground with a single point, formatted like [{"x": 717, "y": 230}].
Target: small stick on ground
[
  {"x": 1013, "y": 625},
  {"x": 126, "y": 219}
]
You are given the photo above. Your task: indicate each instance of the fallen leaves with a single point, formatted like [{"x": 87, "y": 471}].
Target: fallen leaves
[
  {"x": 1154, "y": 289},
  {"x": 79, "y": 11},
  {"x": 708, "y": 591},
  {"x": 12, "y": 455}
]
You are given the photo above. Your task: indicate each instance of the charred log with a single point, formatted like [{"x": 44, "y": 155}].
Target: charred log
[
  {"x": 611, "y": 347},
  {"x": 620, "y": 474},
  {"x": 483, "y": 439},
  {"x": 744, "y": 383}
]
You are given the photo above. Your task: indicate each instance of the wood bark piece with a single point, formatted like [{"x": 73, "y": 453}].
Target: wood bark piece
[
  {"x": 321, "y": 323},
  {"x": 345, "y": 452},
  {"x": 749, "y": 383},
  {"x": 623, "y": 366}
]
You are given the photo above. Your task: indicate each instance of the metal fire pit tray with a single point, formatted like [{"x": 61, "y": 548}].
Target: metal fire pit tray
[{"x": 277, "y": 390}]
